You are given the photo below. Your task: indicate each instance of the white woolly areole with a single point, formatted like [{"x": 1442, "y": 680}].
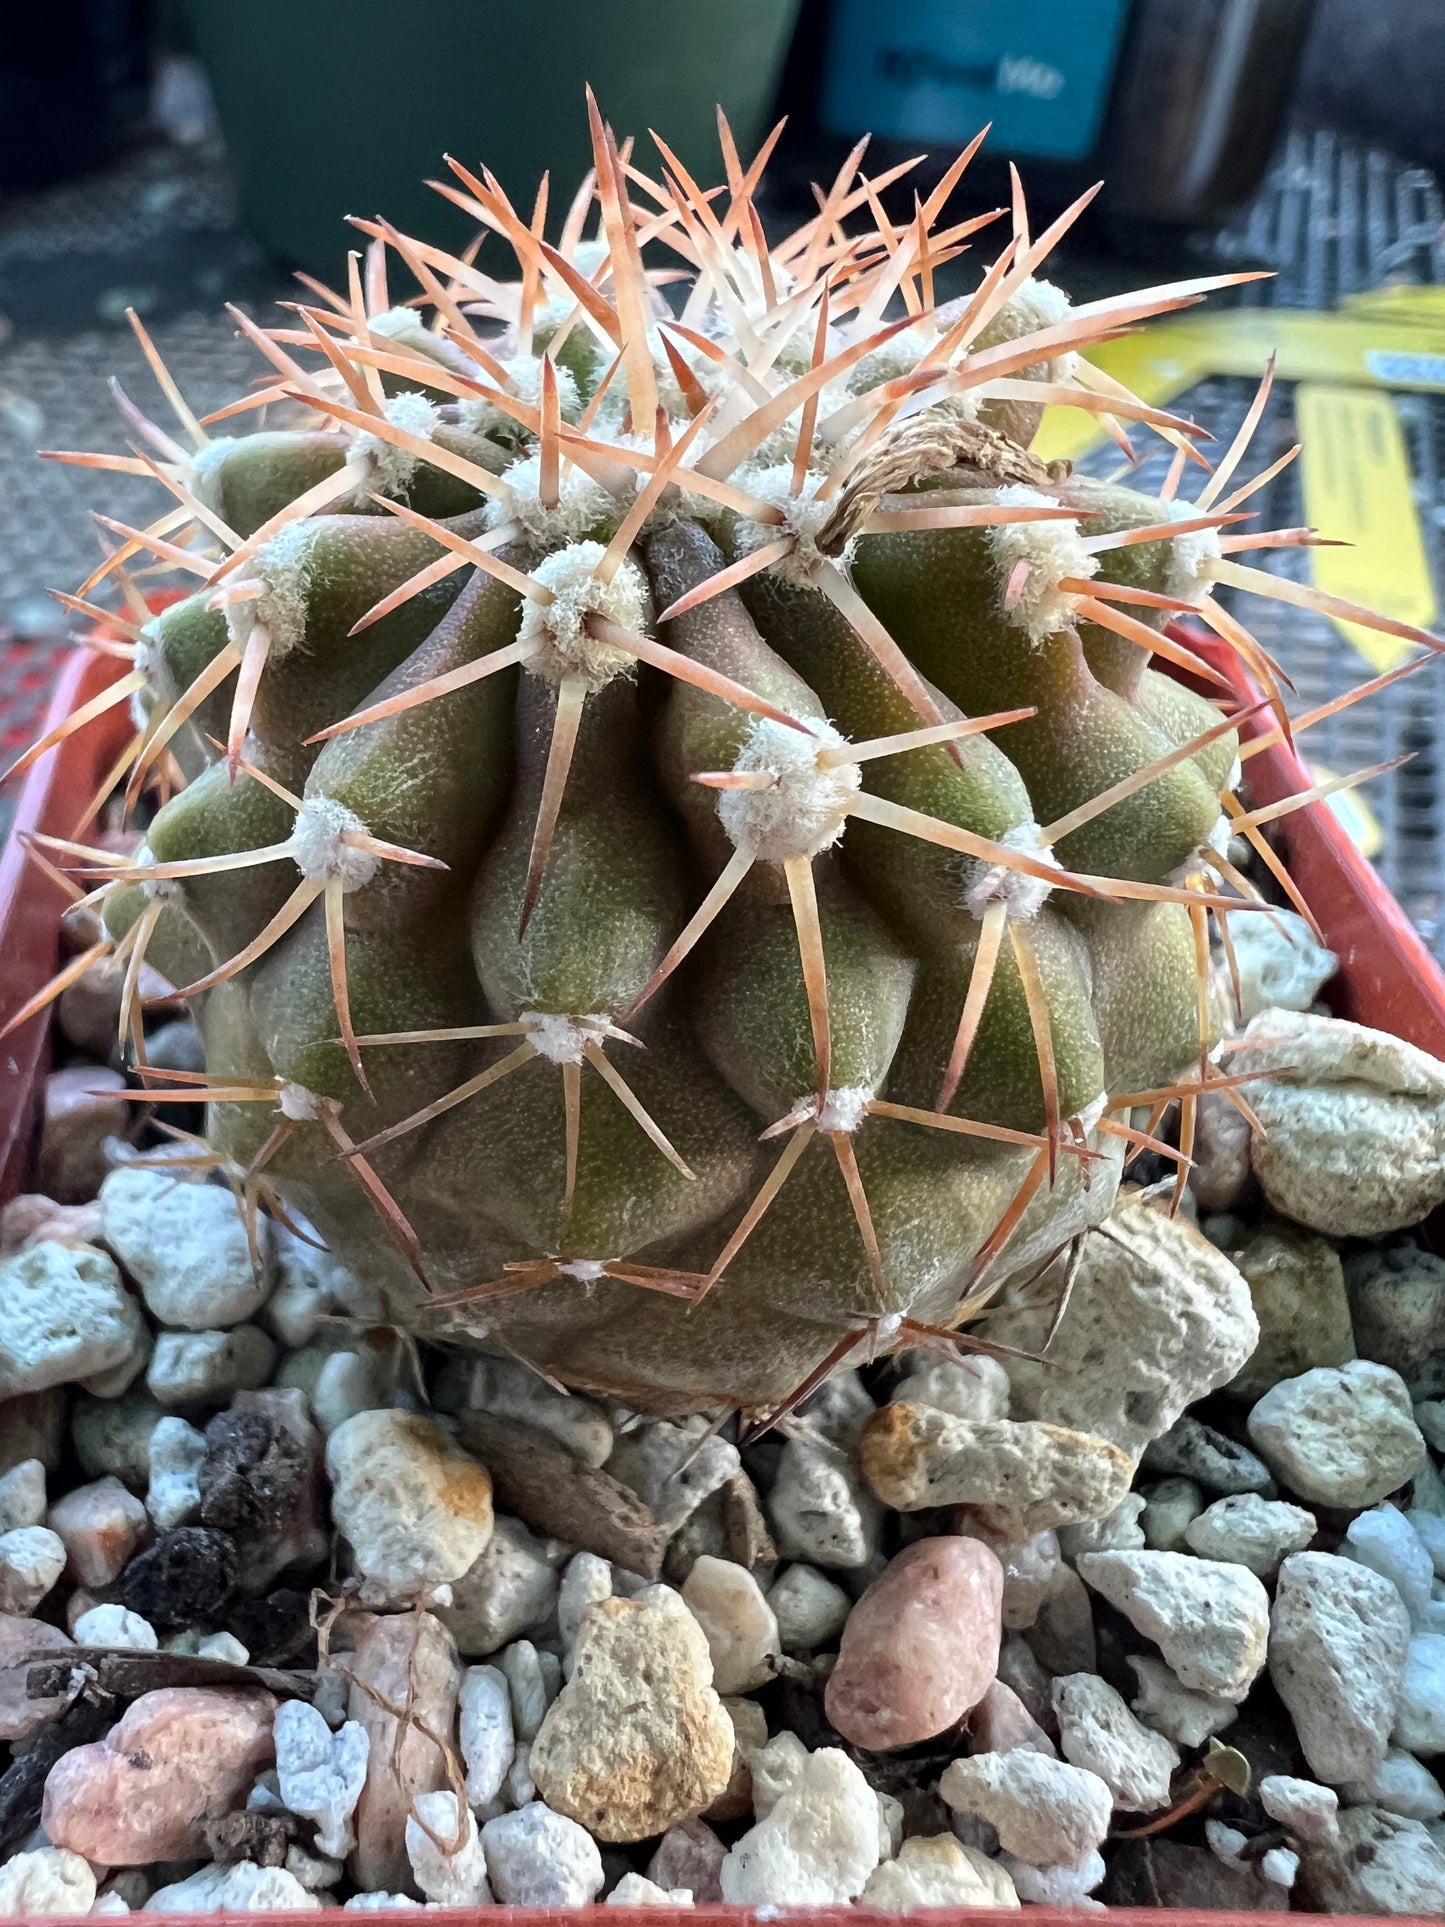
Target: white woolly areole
[
  {"x": 1236, "y": 774},
  {"x": 205, "y": 467},
  {"x": 284, "y": 565},
  {"x": 524, "y": 377},
  {"x": 1190, "y": 555},
  {"x": 586, "y": 1271},
  {"x": 1045, "y": 306},
  {"x": 996, "y": 883},
  {"x": 156, "y": 889},
  {"x": 150, "y": 660},
  {"x": 1220, "y": 833},
  {"x": 300, "y": 1105},
  {"x": 900, "y": 355},
  {"x": 395, "y": 322},
  {"x": 392, "y": 468},
  {"x": 318, "y": 851},
  {"x": 803, "y": 518},
  {"x": 581, "y": 506},
  {"x": 805, "y": 808},
  {"x": 558, "y": 1038},
  {"x": 149, "y": 656},
  {"x": 1051, "y": 550},
  {"x": 565, "y": 648},
  {"x": 844, "y": 1109},
  {"x": 1089, "y": 1116}
]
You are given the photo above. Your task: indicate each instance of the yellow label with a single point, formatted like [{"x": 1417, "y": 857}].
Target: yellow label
[
  {"x": 1153, "y": 366},
  {"x": 1356, "y": 480},
  {"x": 1394, "y": 338}
]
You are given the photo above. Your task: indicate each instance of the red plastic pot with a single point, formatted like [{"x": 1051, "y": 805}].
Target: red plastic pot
[{"x": 1387, "y": 979}]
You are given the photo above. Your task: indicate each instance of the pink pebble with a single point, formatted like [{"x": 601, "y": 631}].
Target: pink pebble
[
  {"x": 1001, "y": 1723},
  {"x": 23, "y": 1640},
  {"x": 179, "y": 1758},
  {"x": 689, "y": 1855},
  {"x": 32, "y": 1216},
  {"x": 82, "y": 1107},
  {"x": 101, "y": 1525},
  {"x": 921, "y": 1645}
]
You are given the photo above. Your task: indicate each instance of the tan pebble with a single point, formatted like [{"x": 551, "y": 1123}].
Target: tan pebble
[{"x": 637, "y": 1738}]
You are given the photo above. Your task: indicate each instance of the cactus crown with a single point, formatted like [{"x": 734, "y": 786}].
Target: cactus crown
[{"x": 670, "y": 802}]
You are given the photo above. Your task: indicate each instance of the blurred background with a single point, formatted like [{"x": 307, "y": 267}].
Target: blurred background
[{"x": 172, "y": 155}]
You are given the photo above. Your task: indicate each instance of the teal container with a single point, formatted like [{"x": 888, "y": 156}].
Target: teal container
[{"x": 335, "y": 107}]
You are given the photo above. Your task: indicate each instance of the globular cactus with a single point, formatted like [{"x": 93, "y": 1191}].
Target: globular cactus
[{"x": 688, "y": 870}]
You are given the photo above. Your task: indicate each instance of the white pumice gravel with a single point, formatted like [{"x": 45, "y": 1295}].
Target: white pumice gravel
[
  {"x": 1188, "y": 1718},
  {"x": 508, "y": 1389},
  {"x": 186, "y": 1247},
  {"x": 177, "y": 1453},
  {"x": 1156, "y": 1318},
  {"x": 115, "y": 1626},
  {"x": 1386, "y": 1541},
  {"x": 1046, "y": 1812},
  {"x": 586, "y": 1728},
  {"x": 1056, "y": 1886},
  {"x": 415, "y": 1508},
  {"x": 817, "y": 1844},
  {"x": 1339, "y": 1435},
  {"x": 208, "y": 1367},
  {"x": 586, "y": 1581},
  {"x": 1247, "y": 1530},
  {"x": 822, "y": 1509},
  {"x": 445, "y": 1850},
  {"x": 485, "y": 1733},
  {"x": 243, "y": 1888},
  {"x": 1209, "y": 1620},
  {"x": 22, "y": 1496},
  {"x": 809, "y": 1608},
  {"x": 533, "y": 1679},
  {"x": 1310, "y": 1811},
  {"x": 1420, "y": 1710},
  {"x": 1097, "y": 1731},
  {"x": 672, "y": 1468},
  {"x": 969, "y": 1388},
  {"x": 48, "y": 1880},
  {"x": 32, "y": 1558},
  {"x": 65, "y": 1314},
  {"x": 537, "y": 1858},
  {"x": 1400, "y": 1784},
  {"x": 740, "y": 1626},
  {"x": 508, "y": 1589},
  {"x": 636, "y": 1890},
  {"x": 320, "y": 1774},
  {"x": 938, "y": 1871},
  {"x": 1338, "y": 1645}
]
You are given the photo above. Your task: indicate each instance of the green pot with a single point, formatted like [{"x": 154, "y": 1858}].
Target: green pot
[{"x": 334, "y": 107}]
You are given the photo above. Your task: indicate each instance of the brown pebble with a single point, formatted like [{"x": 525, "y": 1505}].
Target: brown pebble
[
  {"x": 407, "y": 1662},
  {"x": 558, "y": 1496}
]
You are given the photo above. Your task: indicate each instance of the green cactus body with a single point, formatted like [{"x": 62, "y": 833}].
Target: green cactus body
[{"x": 686, "y": 849}]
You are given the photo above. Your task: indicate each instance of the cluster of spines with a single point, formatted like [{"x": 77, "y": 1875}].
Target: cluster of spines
[{"x": 744, "y": 406}]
